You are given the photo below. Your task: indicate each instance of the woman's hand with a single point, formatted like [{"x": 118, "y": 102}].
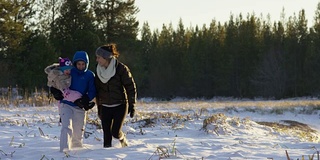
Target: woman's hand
[{"x": 131, "y": 110}]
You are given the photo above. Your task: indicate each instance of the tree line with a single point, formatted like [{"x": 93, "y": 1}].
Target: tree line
[{"x": 246, "y": 57}]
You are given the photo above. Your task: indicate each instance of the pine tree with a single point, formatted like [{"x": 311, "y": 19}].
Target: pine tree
[
  {"x": 142, "y": 59},
  {"x": 116, "y": 20},
  {"x": 49, "y": 11},
  {"x": 74, "y": 29},
  {"x": 295, "y": 52},
  {"x": 14, "y": 15},
  {"x": 313, "y": 58}
]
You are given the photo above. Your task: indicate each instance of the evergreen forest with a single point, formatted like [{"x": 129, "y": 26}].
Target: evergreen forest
[{"x": 247, "y": 56}]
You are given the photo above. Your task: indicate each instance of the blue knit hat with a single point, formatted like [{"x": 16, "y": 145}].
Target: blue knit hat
[{"x": 65, "y": 64}]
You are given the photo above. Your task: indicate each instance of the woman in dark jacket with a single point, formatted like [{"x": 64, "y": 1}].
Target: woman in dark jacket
[{"x": 116, "y": 93}]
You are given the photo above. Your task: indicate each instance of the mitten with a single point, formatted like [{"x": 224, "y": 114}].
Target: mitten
[
  {"x": 82, "y": 102},
  {"x": 90, "y": 105},
  {"x": 57, "y": 94},
  {"x": 131, "y": 110}
]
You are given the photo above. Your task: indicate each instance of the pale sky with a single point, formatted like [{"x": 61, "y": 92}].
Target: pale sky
[{"x": 199, "y": 12}]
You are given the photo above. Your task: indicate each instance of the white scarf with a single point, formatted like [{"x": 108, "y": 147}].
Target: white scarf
[{"x": 105, "y": 74}]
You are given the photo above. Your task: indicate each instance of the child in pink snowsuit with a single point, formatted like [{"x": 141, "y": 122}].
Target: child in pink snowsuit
[{"x": 59, "y": 77}]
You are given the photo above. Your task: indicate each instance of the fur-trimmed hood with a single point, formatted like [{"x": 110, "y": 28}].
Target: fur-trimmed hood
[{"x": 53, "y": 68}]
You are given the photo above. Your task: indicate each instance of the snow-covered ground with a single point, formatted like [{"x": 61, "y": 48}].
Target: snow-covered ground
[{"x": 218, "y": 129}]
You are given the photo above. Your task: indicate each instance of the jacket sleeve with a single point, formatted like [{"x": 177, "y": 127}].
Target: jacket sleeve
[
  {"x": 92, "y": 89},
  {"x": 63, "y": 82},
  {"x": 50, "y": 78},
  {"x": 54, "y": 80},
  {"x": 129, "y": 85}
]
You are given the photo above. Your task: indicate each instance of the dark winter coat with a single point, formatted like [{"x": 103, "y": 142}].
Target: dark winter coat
[{"x": 120, "y": 89}]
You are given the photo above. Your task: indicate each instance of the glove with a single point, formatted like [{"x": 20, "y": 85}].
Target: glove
[
  {"x": 82, "y": 102},
  {"x": 89, "y": 106},
  {"x": 57, "y": 94},
  {"x": 131, "y": 110}
]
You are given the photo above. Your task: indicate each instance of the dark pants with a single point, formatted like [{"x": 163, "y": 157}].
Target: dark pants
[{"x": 112, "y": 119}]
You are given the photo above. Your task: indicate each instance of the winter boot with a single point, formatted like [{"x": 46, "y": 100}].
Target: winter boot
[
  {"x": 106, "y": 146},
  {"x": 124, "y": 142}
]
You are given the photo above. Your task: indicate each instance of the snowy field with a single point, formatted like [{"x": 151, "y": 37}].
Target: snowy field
[{"x": 217, "y": 129}]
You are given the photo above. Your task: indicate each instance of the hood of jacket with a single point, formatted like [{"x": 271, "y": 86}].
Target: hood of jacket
[
  {"x": 54, "y": 67},
  {"x": 81, "y": 56}
]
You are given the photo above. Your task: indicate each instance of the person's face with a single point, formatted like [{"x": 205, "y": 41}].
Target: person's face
[
  {"x": 101, "y": 61},
  {"x": 81, "y": 65},
  {"x": 67, "y": 71}
]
